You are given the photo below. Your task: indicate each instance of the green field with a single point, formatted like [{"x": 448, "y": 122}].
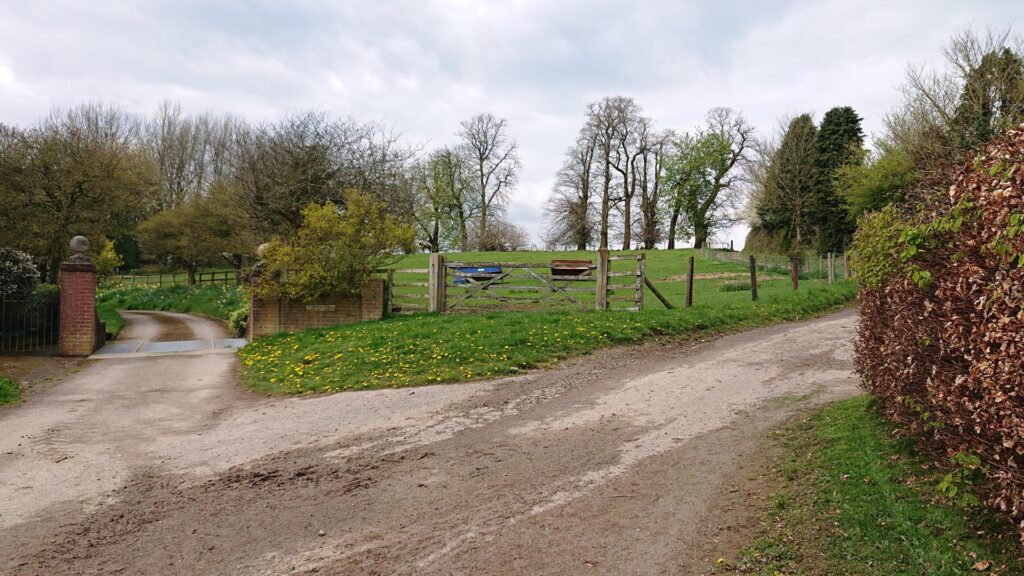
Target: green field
[
  {"x": 430, "y": 348},
  {"x": 715, "y": 272}
]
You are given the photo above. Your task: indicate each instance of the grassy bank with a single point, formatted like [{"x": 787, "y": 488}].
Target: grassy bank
[
  {"x": 427, "y": 349},
  {"x": 857, "y": 500},
  {"x": 211, "y": 300},
  {"x": 10, "y": 392}
]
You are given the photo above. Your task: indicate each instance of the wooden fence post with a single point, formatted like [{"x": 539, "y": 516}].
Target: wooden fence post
[
  {"x": 389, "y": 292},
  {"x": 436, "y": 283},
  {"x": 831, "y": 270},
  {"x": 794, "y": 264},
  {"x": 846, "y": 266},
  {"x": 753, "y": 277},
  {"x": 601, "y": 296},
  {"x": 641, "y": 270},
  {"x": 689, "y": 283}
]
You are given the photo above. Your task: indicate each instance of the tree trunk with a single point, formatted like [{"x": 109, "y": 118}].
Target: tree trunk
[
  {"x": 435, "y": 237},
  {"x": 482, "y": 233},
  {"x": 191, "y": 275},
  {"x": 235, "y": 261},
  {"x": 605, "y": 206},
  {"x": 673, "y": 223},
  {"x": 463, "y": 232},
  {"x": 627, "y": 221},
  {"x": 583, "y": 221},
  {"x": 700, "y": 235}
]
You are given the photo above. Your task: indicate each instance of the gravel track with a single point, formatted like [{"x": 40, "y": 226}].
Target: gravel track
[{"x": 634, "y": 460}]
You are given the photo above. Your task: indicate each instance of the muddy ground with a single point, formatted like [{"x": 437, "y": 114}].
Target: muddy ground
[{"x": 635, "y": 460}]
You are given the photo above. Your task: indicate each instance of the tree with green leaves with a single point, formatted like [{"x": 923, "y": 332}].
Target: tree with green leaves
[
  {"x": 992, "y": 100},
  {"x": 443, "y": 204},
  {"x": 200, "y": 232},
  {"x": 105, "y": 257},
  {"x": 75, "y": 173},
  {"x": 784, "y": 203},
  {"x": 688, "y": 176},
  {"x": 839, "y": 143},
  {"x": 335, "y": 250},
  {"x": 706, "y": 176},
  {"x": 882, "y": 179}
]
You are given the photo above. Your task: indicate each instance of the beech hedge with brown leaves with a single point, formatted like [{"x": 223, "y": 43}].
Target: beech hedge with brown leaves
[{"x": 941, "y": 336}]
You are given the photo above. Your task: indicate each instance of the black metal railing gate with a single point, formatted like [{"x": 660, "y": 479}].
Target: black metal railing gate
[{"x": 28, "y": 326}]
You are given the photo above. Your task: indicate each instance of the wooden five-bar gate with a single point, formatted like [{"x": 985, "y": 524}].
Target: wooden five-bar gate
[{"x": 613, "y": 282}]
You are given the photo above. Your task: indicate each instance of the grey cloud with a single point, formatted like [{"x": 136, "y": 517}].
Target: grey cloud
[{"x": 422, "y": 66}]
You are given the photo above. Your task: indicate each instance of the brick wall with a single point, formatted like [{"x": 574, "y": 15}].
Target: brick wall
[
  {"x": 78, "y": 333},
  {"x": 272, "y": 316}
]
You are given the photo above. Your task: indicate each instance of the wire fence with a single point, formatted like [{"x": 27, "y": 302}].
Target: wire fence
[{"x": 774, "y": 270}]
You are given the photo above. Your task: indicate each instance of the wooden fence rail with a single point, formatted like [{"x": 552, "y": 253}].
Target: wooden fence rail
[
  {"x": 223, "y": 277},
  {"x": 613, "y": 282}
]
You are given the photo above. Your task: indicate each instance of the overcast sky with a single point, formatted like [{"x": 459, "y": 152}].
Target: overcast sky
[{"x": 422, "y": 66}]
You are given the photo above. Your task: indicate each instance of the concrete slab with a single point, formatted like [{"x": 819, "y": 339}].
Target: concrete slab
[
  {"x": 177, "y": 346},
  {"x": 120, "y": 347},
  {"x": 230, "y": 343}
]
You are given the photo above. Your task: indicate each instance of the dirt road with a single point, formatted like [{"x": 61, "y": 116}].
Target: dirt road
[{"x": 636, "y": 460}]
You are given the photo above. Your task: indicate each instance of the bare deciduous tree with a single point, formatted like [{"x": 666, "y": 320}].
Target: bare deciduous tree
[
  {"x": 608, "y": 120},
  {"x": 979, "y": 93},
  {"x": 568, "y": 212},
  {"x": 649, "y": 172},
  {"x": 280, "y": 168},
  {"x": 494, "y": 161},
  {"x": 190, "y": 152}
]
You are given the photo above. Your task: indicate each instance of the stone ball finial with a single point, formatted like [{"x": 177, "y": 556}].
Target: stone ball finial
[
  {"x": 79, "y": 244},
  {"x": 261, "y": 250}
]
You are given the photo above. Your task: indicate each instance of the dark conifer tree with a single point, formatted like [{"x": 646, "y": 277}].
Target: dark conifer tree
[{"x": 840, "y": 142}]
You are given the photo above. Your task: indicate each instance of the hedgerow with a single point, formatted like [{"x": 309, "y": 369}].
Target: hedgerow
[{"x": 941, "y": 337}]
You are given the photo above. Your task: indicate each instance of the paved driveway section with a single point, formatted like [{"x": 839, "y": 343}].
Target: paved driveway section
[{"x": 153, "y": 333}]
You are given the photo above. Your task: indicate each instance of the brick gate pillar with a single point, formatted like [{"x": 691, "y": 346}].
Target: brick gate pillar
[{"x": 79, "y": 325}]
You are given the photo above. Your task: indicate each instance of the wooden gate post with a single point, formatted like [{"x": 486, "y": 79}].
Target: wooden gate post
[
  {"x": 601, "y": 297},
  {"x": 753, "y": 277},
  {"x": 794, "y": 263},
  {"x": 689, "y": 283},
  {"x": 641, "y": 271},
  {"x": 437, "y": 277},
  {"x": 389, "y": 292}
]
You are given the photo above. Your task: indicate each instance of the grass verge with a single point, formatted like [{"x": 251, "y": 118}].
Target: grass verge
[
  {"x": 10, "y": 391},
  {"x": 213, "y": 301},
  {"x": 429, "y": 349},
  {"x": 857, "y": 500}
]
